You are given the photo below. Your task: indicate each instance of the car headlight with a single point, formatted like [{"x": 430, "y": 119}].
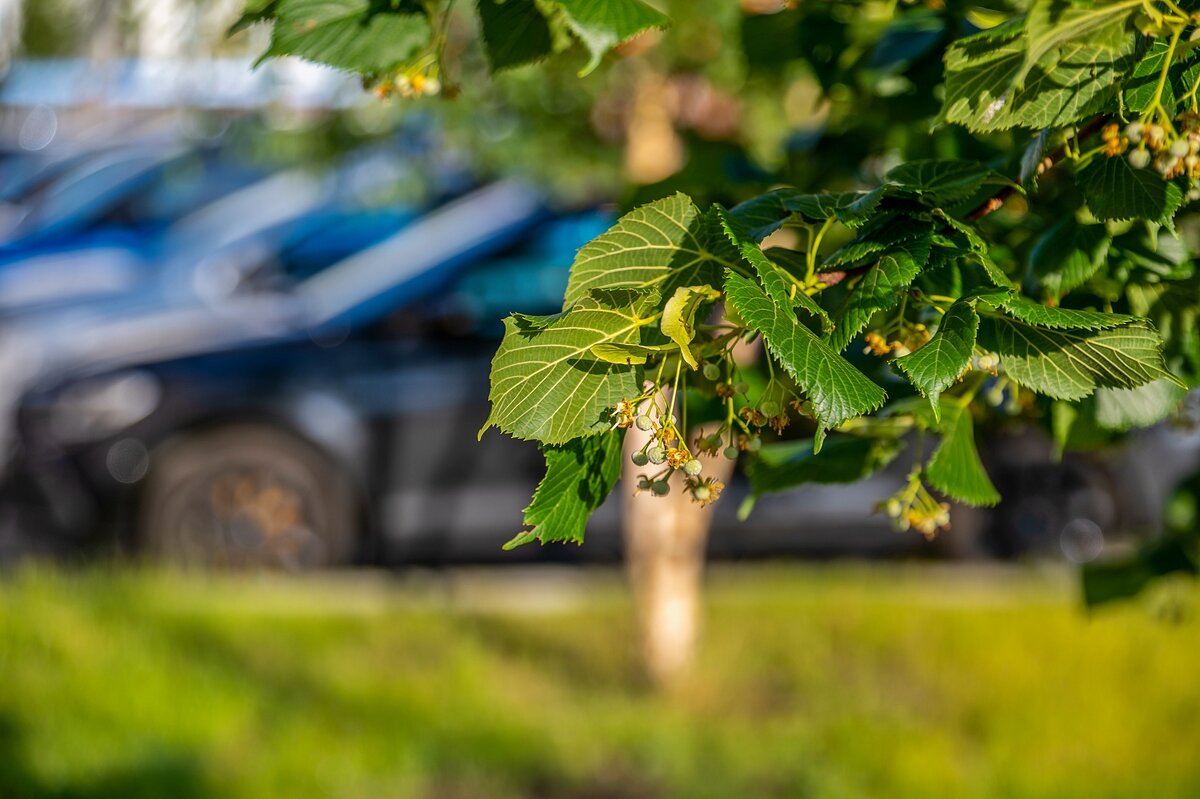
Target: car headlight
[{"x": 98, "y": 407}]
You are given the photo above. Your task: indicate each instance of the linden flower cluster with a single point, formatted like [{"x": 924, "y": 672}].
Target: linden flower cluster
[
  {"x": 768, "y": 414},
  {"x": 914, "y": 508},
  {"x": 410, "y": 83},
  {"x": 1172, "y": 151},
  {"x": 772, "y": 410},
  {"x": 911, "y": 337},
  {"x": 986, "y": 362},
  {"x": 667, "y": 449}
]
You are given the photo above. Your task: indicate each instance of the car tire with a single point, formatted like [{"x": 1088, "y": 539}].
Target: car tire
[{"x": 247, "y": 496}]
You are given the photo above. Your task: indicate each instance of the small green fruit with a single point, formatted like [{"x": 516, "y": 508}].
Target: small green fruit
[
  {"x": 639, "y": 459},
  {"x": 692, "y": 468},
  {"x": 656, "y": 455},
  {"x": 712, "y": 371}
]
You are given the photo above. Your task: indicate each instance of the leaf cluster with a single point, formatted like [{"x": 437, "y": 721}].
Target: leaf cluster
[{"x": 1050, "y": 279}]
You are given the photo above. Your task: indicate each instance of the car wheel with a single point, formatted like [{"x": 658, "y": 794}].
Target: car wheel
[{"x": 247, "y": 496}]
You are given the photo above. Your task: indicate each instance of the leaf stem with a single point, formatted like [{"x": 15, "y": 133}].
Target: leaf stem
[
  {"x": 1082, "y": 159},
  {"x": 675, "y": 383},
  {"x": 811, "y": 256},
  {"x": 1156, "y": 103}
]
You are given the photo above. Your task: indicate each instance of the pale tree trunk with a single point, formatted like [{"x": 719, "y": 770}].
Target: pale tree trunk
[
  {"x": 665, "y": 541},
  {"x": 104, "y": 43},
  {"x": 10, "y": 31}
]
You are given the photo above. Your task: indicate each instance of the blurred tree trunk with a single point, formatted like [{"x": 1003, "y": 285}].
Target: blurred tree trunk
[
  {"x": 11, "y": 27},
  {"x": 665, "y": 540},
  {"x": 653, "y": 150},
  {"x": 104, "y": 44}
]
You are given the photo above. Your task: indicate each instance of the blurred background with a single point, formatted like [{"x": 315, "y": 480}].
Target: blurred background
[{"x": 246, "y": 319}]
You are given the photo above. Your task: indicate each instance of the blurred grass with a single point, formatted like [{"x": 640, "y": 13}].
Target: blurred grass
[{"x": 847, "y": 681}]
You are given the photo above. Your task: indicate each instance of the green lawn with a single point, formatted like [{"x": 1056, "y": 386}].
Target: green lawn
[{"x": 815, "y": 682}]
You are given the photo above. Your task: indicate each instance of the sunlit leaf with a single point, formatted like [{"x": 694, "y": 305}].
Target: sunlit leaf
[
  {"x": 836, "y": 389},
  {"x": 579, "y": 477}
]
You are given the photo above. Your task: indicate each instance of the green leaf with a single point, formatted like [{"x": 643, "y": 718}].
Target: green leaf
[
  {"x": 778, "y": 286},
  {"x": 628, "y": 354},
  {"x": 515, "y": 32},
  {"x": 836, "y": 389},
  {"x": 579, "y": 477},
  {"x": 776, "y": 277},
  {"x": 766, "y": 213},
  {"x": 944, "y": 181},
  {"x": 934, "y": 367},
  {"x": 603, "y": 24},
  {"x": 662, "y": 245},
  {"x": 1123, "y": 409},
  {"x": 978, "y": 249},
  {"x": 1072, "y": 82},
  {"x": 1140, "y": 88},
  {"x": 679, "y": 317},
  {"x": 794, "y": 263},
  {"x": 547, "y": 383},
  {"x": 1115, "y": 190},
  {"x": 881, "y": 234},
  {"x": 1052, "y": 24},
  {"x": 843, "y": 459},
  {"x": 1041, "y": 315},
  {"x": 1072, "y": 364},
  {"x": 348, "y": 34},
  {"x": 851, "y": 208},
  {"x": 1174, "y": 307},
  {"x": 1068, "y": 254},
  {"x": 955, "y": 468},
  {"x": 878, "y": 289}
]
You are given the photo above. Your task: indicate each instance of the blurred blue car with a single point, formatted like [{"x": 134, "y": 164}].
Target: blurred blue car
[
  {"x": 139, "y": 186},
  {"x": 322, "y": 406},
  {"x": 279, "y": 366},
  {"x": 92, "y": 221},
  {"x": 165, "y": 234}
]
